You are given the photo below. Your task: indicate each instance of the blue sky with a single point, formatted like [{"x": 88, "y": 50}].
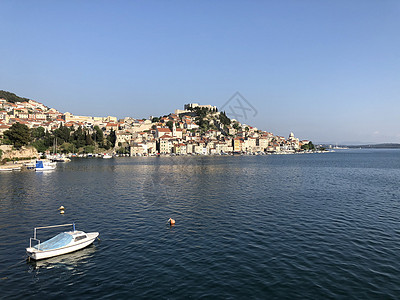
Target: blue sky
[{"x": 327, "y": 70}]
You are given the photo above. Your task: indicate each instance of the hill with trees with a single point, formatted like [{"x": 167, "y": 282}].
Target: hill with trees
[
  {"x": 11, "y": 97},
  {"x": 63, "y": 139}
]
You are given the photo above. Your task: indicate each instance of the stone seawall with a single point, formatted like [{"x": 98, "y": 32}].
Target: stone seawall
[{"x": 24, "y": 152}]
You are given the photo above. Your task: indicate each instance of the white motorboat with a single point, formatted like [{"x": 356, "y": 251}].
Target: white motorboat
[
  {"x": 42, "y": 165},
  {"x": 62, "y": 243},
  {"x": 6, "y": 169},
  {"x": 30, "y": 165},
  {"x": 106, "y": 155},
  {"x": 11, "y": 168},
  {"x": 63, "y": 261}
]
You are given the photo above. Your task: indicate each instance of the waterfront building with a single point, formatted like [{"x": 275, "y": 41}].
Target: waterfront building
[
  {"x": 162, "y": 131},
  {"x": 165, "y": 144},
  {"x": 249, "y": 144},
  {"x": 143, "y": 149},
  {"x": 237, "y": 144},
  {"x": 122, "y": 137},
  {"x": 179, "y": 148},
  {"x": 262, "y": 143}
]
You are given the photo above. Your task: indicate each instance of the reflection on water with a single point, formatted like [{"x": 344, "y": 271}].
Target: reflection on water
[
  {"x": 268, "y": 227},
  {"x": 67, "y": 261}
]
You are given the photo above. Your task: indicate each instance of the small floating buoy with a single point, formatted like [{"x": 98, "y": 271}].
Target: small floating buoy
[
  {"x": 62, "y": 212},
  {"x": 171, "y": 222},
  {"x": 61, "y": 208}
]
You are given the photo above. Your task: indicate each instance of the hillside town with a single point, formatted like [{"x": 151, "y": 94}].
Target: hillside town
[{"x": 196, "y": 129}]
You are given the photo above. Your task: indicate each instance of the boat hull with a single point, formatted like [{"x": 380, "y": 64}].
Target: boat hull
[
  {"x": 45, "y": 165},
  {"x": 39, "y": 254},
  {"x": 44, "y": 169}
]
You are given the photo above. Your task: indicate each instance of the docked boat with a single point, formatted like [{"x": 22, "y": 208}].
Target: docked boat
[
  {"x": 62, "y": 243},
  {"x": 10, "y": 168},
  {"x": 30, "y": 165},
  {"x": 60, "y": 158},
  {"x": 106, "y": 155},
  {"x": 6, "y": 169},
  {"x": 42, "y": 165}
]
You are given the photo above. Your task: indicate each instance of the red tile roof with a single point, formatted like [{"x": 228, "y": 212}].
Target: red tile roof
[{"x": 163, "y": 129}]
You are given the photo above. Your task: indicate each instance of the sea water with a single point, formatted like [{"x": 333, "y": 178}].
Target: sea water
[{"x": 305, "y": 226}]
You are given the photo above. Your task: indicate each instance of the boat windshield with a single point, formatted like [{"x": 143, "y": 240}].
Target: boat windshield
[
  {"x": 78, "y": 238},
  {"x": 60, "y": 240}
]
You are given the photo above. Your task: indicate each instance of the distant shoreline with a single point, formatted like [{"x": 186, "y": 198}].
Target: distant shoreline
[{"x": 377, "y": 146}]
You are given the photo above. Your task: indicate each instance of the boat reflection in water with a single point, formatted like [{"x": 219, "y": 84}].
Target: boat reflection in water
[{"x": 66, "y": 261}]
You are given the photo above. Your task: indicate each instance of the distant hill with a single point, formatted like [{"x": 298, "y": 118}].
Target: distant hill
[
  {"x": 11, "y": 97},
  {"x": 378, "y": 146}
]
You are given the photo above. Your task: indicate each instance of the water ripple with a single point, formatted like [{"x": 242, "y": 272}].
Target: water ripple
[{"x": 275, "y": 227}]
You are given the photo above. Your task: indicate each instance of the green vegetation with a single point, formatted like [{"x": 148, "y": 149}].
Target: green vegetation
[
  {"x": 122, "y": 150},
  {"x": 19, "y": 135},
  {"x": 170, "y": 125},
  {"x": 38, "y": 133},
  {"x": 206, "y": 116},
  {"x": 11, "y": 97},
  {"x": 236, "y": 125},
  {"x": 40, "y": 146},
  {"x": 203, "y": 124},
  {"x": 67, "y": 148},
  {"x": 112, "y": 138},
  {"x": 309, "y": 146},
  {"x": 224, "y": 119},
  {"x": 5, "y": 160},
  {"x": 202, "y": 112},
  {"x": 98, "y": 136},
  {"x": 88, "y": 149},
  {"x": 62, "y": 139}
]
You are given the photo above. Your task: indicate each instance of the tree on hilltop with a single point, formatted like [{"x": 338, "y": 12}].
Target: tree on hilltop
[
  {"x": 38, "y": 132},
  {"x": 62, "y": 133},
  {"x": 170, "y": 125},
  {"x": 88, "y": 139},
  {"x": 224, "y": 119},
  {"x": 79, "y": 138},
  {"x": 236, "y": 125},
  {"x": 309, "y": 146},
  {"x": 19, "y": 134},
  {"x": 11, "y": 97},
  {"x": 112, "y": 138},
  {"x": 98, "y": 135}
]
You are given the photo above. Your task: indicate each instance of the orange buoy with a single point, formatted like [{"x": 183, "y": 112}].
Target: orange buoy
[{"x": 171, "y": 222}]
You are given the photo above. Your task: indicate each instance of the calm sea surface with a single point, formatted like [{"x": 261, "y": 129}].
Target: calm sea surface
[{"x": 315, "y": 226}]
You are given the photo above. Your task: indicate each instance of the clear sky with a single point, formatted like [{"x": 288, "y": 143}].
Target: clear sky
[{"x": 327, "y": 70}]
